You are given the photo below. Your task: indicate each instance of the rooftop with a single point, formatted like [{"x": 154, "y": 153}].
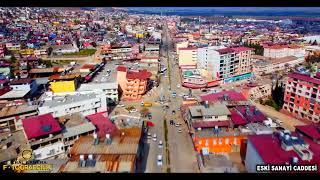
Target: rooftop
[
  {"x": 65, "y": 77},
  {"x": 13, "y": 94},
  {"x": 304, "y": 77},
  {"x": 274, "y": 154},
  {"x": 139, "y": 74},
  {"x": 225, "y": 50},
  {"x": 231, "y": 96},
  {"x": 42, "y": 125},
  {"x": 53, "y": 101},
  {"x": 251, "y": 113},
  {"x": 20, "y": 81},
  {"x": 124, "y": 141},
  {"x": 312, "y": 131},
  {"x": 15, "y": 110},
  {"x": 213, "y": 110},
  {"x": 103, "y": 124}
]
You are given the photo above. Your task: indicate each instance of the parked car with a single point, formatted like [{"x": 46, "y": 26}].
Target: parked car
[
  {"x": 178, "y": 86},
  {"x": 179, "y": 130},
  {"x": 149, "y": 135},
  {"x": 177, "y": 124},
  {"x": 154, "y": 138},
  {"x": 174, "y": 94},
  {"x": 159, "y": 160},
  {"x": 173, "y": 112},
  {"x": 160, "y": 144},
  {"x": 171, "y": 122}
]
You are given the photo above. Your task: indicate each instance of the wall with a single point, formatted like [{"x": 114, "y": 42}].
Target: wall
[
  {"x": 188, "y": 57},
  {"x": 224, "y": 147},
  {"x": 57, "y": 147},
  {"x": 252, "y": 158}
]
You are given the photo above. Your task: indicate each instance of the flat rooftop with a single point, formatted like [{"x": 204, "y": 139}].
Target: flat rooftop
[
  {"x": 14, "y": 110},
  {"x": 54, "y": 101}
]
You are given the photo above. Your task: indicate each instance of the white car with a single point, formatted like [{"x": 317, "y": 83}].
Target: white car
[
  {"x": 179, "y": 130},
  {"x": 149, "y": 136},
  {"x": 177, "y": 124},
  {"x": 121, "y": 105},
  {"x": 178, "y": 86},
  {"x": 133, "y": 110},
  {"x": 159, "y": 160},
  {"x": 154, "y": 138},
  {"x": 160, "y": 144}
]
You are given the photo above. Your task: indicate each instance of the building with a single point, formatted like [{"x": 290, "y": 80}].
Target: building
[
  {"x": 11, "y": 117},
  {"x": 264, "y": 65},
  {"x": 280, "y": 51},
  {"x": 62, "y": 105},
  {"x": 133, "y": 83},
  {"x": 25, "y": 84},
  {"x": 188, "y": 57},
  {"x": 113, "y": 153},
  {"x": 11, "y": 146},
  {"x": 43, "y": 134},
  {"x": 302, "y": 96},
  {"x": 296, "y": 148},
  {"x": 256, "y": 91},
  {"x": 110, "y": 89},
  {"x": 225, "y": 64},
  {"x": 64, "y": 84},
  {"x": 192, "y": 78}
]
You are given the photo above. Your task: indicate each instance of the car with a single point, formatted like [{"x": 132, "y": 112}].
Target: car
[
  {"x": 179, "y": 130},
  {"x": 121, "y": 105},
  {"x": 171, "y": 122},
  {"x": 178, "y": 86},
  {"x": 159, "y": 160},
  {"x": 204, "y": 90},
  {"x": 178, "y": 124},
  {"x": 149, "y": 135},
  {"x": 160, "y": 144},
  {"x": 173, "y": 112},
  {"x": 174, "y": 94},
  {"x": 133, "y": 111},
  {"x": 149, "y": 116},
  {"x": 154, "y": 137}
]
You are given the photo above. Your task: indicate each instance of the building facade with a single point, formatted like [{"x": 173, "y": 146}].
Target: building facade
[
  {"x": 302, "y": 96},
  {"x": 133, "y": 84}
]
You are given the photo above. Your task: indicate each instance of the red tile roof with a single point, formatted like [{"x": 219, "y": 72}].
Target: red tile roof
[
  {"x": 240, "y": 49},
  {"x": 21, "y": 81},
  {"x": 304, "y": 77},
  {"x": 42, "y": 125},
  {"x": 274, "y": 154},
  {"x": 103, "y": 124},
  {"x": 233, "y": 96},
  {"x": 237, "y": 118},
  {"x": 253, "y": 116},
  {"x": 141, "y": 74},
  {"x": 312, "y": 131},
  {"x": 225, "y": 50},
  {"x": 210, "y": 124},
  {"x": 121, "y": 68}
]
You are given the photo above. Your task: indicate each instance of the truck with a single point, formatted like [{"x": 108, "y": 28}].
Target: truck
[{"x": 146, "y": 104}]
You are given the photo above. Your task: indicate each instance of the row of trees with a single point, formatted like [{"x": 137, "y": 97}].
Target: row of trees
[{"x": 258, "y": 49}]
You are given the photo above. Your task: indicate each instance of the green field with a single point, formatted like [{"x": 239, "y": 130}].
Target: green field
[{"x": 83, "y": 52}]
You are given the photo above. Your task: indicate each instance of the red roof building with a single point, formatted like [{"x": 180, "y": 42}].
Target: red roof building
[
  {"x": 231, "y": 96},
  {"x": 39, "y": 126},
  {"x": 269, "y": 149},
  {"x": 103, "y": 124}
]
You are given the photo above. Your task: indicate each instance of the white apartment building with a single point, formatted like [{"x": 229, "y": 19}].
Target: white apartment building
[
  {"x": 65, "y": 104},
  {"x": 227, "y": 64},
  {"x": 279, "y": 51}
]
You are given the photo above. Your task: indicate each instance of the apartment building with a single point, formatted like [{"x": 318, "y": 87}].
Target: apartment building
[
  {"x": 302, "y": 96},
  {"x": 133, "y": 83},
  {"x": 225, "y": 64},
  {"x": 66, "y": 104},
  {"x": 110, "y": 89},
  {"x": 279, "y": 51},
  {"x": 188, "y": 57}
]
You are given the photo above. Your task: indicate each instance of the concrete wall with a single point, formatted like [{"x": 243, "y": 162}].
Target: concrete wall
[
  {"x": 252, "y": 158},
  {"x": 44, "y": 152}
]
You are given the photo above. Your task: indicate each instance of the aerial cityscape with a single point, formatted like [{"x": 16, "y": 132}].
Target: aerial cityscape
[{"x": 159, "y": 90}]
